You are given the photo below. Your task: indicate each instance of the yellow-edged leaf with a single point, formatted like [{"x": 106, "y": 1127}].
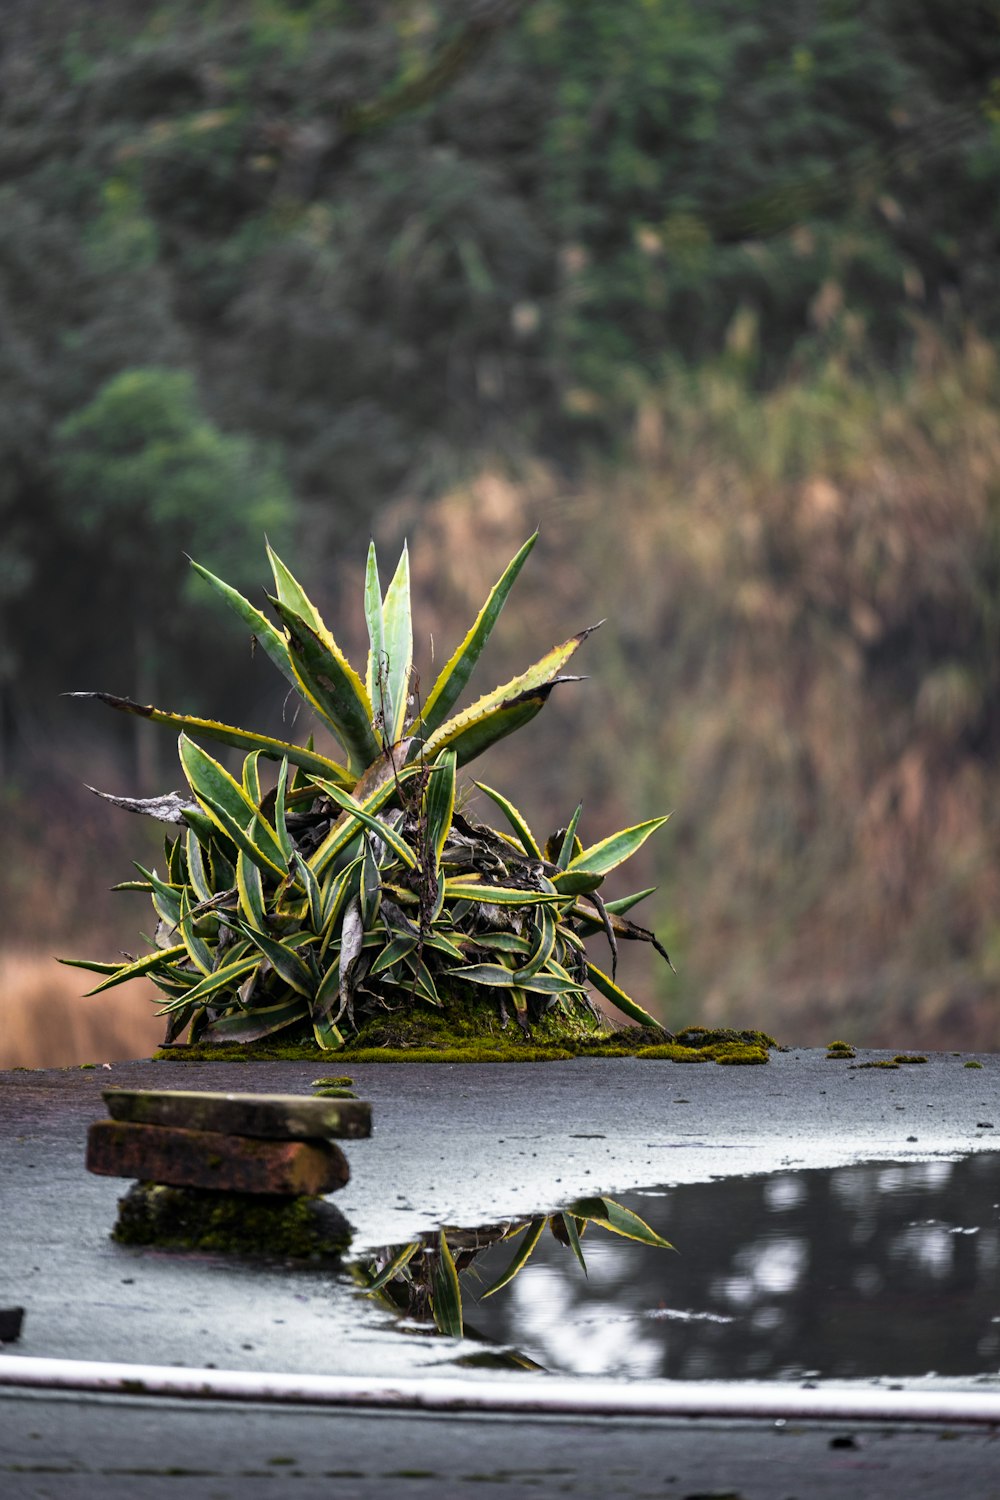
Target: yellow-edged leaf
[
  {"x": 458, "y": 669},
  {"x": 228, "y": 734},
  {"x": 618, "y": 997},
  {"x": 614, "y": 850},
  {"x": 334, "y": 686}
]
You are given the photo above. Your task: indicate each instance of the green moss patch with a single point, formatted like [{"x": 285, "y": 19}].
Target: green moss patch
[
  {"x": 245, "y": 1224},
  {"x": 444, "y": 1043}
]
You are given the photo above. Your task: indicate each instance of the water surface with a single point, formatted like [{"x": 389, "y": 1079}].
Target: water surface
[{"x": 872, "y": 1270}]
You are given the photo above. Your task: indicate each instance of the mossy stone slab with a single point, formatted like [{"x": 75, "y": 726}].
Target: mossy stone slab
[
  {"x": 208, "y": 1159},
  {"x": 267, "y": 1116},
  {"x": 244, "y": 1224}
]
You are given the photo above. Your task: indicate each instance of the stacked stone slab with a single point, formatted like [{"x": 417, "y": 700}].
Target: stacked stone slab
[{"x": 207, "y": 1163}]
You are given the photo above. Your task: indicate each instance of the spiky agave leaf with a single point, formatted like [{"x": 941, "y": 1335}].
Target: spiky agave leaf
[
  {"x": 223, "y": 734},
  {"x": 507, "y": 707},
  {"x": 390, "y": 654},
  {"x": 457, "y": 670},
  {"x": 329, "y": 680}
]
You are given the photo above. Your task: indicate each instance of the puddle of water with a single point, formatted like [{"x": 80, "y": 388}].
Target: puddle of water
[{"x": 872, "y": 1270}]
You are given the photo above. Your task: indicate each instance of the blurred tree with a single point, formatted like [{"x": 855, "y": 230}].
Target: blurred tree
[
  {"x": 145, "y": 478},
  {"x": 389, "y": 238}
]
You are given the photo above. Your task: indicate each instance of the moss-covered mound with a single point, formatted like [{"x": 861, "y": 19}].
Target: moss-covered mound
[{"x": 455, "y": 1039}]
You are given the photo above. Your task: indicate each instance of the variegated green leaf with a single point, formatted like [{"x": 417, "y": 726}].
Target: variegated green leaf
[
  {"x": 205, "y": 831},
  {"x": 622, "y": 904},
  {"x": 250, "y": 888},
  {"x": 618, "y": 997},
  {"x": 577, "y": 882},
  {"x": 173, "y": 850},
  {"x": 527, "y": 1245},
  {"x": 467, "y": 888},
  {"x": 423, "y": 981},
  {"x": 328, "y": 988},
  {"x": 338, "y": 889},
  {"x": 506, "y": 708},
  {"x": 371, "y": 886},
  {"x": 291, "y": 593},
  {"x": 503, "y": 942},
  {"x": 271, "y": 642},
  {"x": 92, "y": 965},
  {"x": 458, "y": 669},
  {"x": 388, "y": 835},
  {"x": 334, "y": 685},
  {"x": 284, "y": 961},
  {"x": 618, "y": 847},
  {"x": 228, "y": 734},
  {"x": 489, "y": 974},
  {"x": 222, "y": 854},
  {"x": 571, "y": 1230},
  {"x": 198, "y": 949},
  {"x": 472, "y": 739},
  {"x": 542, "y": 951},
  {"x": 328, "y": 1037},
  {"x": 551, "y": 984},
  {"x": 347, "y": 828},
  {"x": 280, "y": 823},
  {"x": 227, "y": 976},
  {"x": 393, "y": 1268},
  {"x": 397, "y": 948},
  {"x": 244, "y": 843},
  {"x": 251, "y": 778},
  {"x": 176, "y": 981},
  {"x": 218, "y": 792},
  {"x": 252, "y": 1025},
  {"x": 377, "y": 676},
  {"x": 608, "y": 1214},
  {"x": 200, "y": 882},
  {"x": 398, "y": 645},
  {"x": 166, "y": 897},
  {"x": 446, "y": 1295},
  {"x": 516, "y": 820},
  {"x": 162, "y": 957},
  {"x": 439, "y": 806},
  {"x": 439, "y": 943},
  {"x": 567, "y": 850},
  {"x": 314, "y": 894}
]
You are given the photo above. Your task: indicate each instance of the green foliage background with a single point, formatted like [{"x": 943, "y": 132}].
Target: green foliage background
[{"x": 326, "y": 268}]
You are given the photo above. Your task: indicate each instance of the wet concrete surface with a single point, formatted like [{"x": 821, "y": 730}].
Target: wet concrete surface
[
  {"x": 452, "y": 1145},
  {"x": 62, "y": 1449}
]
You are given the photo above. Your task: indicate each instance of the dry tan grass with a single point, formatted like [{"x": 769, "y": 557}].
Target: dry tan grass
[
  {"x": 46, "y": 1022},
  {"x": 802, "y": 662}
]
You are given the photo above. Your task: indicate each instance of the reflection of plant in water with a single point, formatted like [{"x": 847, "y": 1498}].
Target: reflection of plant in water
[
  {"x": 352, "y": 892},
  {"x": 421, "y": 1278}
]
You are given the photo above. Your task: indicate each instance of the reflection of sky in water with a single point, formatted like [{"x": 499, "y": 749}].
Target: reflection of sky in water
[
  {"x": 597, "y": 1342},
  {"x": 783, "y": 1192},
  {"x": 772, "y": 1268},
  {"x": 869, "y": 1270}
]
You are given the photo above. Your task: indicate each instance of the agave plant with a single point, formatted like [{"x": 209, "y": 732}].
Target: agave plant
[{"x": 347, "y": 890}]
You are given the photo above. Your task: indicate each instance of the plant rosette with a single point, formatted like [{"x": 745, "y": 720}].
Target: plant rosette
[{"x": 353, "y": 894}]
